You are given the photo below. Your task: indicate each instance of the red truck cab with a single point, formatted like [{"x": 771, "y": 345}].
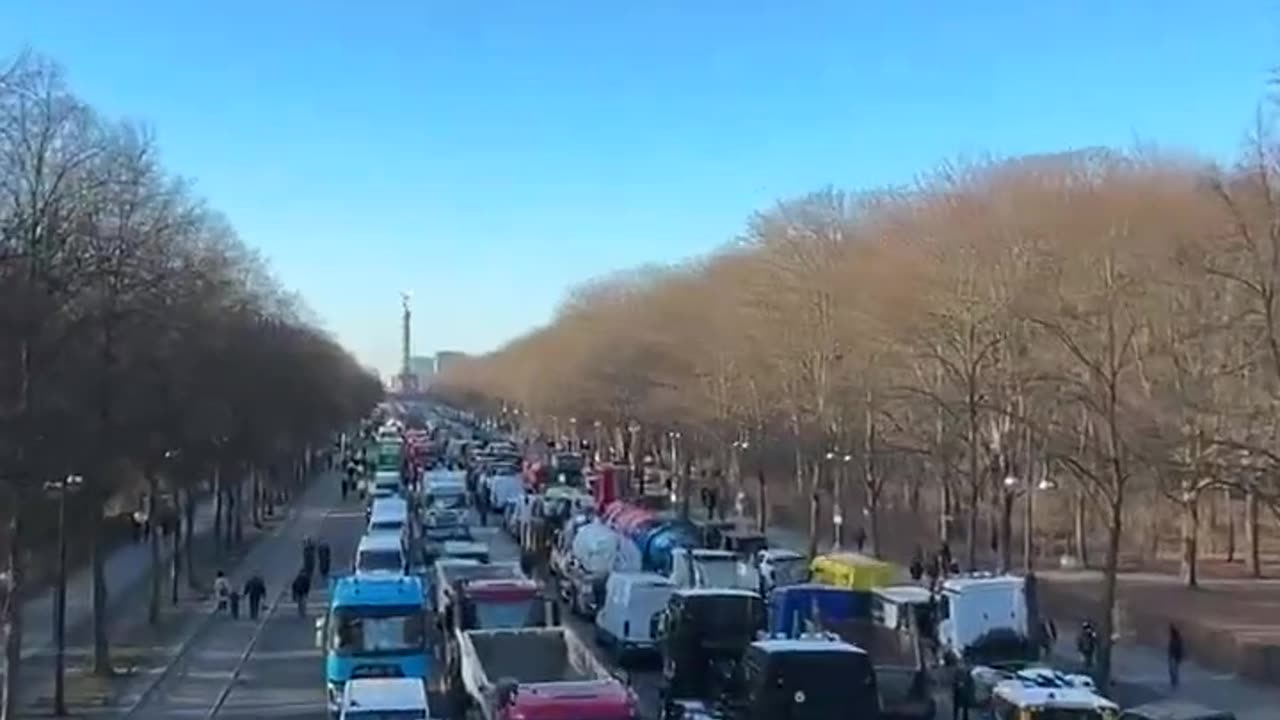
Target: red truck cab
[
  {"x": 503, "y": 604},
  {"x": 586, "y": 700}
]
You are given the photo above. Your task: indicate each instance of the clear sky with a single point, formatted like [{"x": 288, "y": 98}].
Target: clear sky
[{"x": 488, "y": 155}]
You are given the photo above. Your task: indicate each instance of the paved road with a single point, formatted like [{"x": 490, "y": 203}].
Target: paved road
[
  {"x": 197, "y": 680},
  {"x": 284, "y": 677}
]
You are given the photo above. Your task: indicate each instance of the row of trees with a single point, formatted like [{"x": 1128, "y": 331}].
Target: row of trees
[
  {"x": 1100, "y": 325},
  {"x": 142, "y": 346}
]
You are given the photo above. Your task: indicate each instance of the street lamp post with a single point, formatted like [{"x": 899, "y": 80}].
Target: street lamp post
[
  {"x": 678, "y": 479},
  {"x": 633, "y": 455},
  {"x": 838, "y": 481},
  {"x": 66, "y": 485}
]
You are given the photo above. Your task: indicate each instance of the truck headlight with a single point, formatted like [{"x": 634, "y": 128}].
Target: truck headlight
[{"x": 335, "y": 694}]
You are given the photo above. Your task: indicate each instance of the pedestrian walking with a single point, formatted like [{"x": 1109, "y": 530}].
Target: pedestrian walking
[
  {"x": 1048, "y": 637},
  {"x": 1176, "y": 650},
  {"x": 301, "y": 590},
  {"x": 323, "y": 555},
  {"x": 961, "y": 693},
  {"x": 308, "y": 555},
  {"x": 860, "y": 537},
  {"x": 255, "y": 589},
  {"x": 482, "y": 507},
  {"x": 221, "y": 590},
  {"x": 233, "y": 599},
  {"x": 1087, "y": 644},
  {"x": 917, "y": 565},
  {"x": 944, "y": 556}
]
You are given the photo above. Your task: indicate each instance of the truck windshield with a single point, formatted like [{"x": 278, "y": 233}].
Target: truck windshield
[
  {"x": 506, "y": 614},
  {"x": 385, "y": 715},
  {"x": 378, "y": 630},
  {"x": 790, "y": 572},
  {"x": 718, "y": 573},
  {"x": 449, "y": 501},
  {"x": 380, "y": 561},
  {"x": 1068, "y": 714},
  {"x": 731, "y": 619}
]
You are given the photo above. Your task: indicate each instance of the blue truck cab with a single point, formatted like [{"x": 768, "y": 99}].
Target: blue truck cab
[{"x": 376, "y": 626}]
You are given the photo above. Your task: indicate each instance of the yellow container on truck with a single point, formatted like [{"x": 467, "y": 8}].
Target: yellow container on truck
[{"x": 854, "y": 571}]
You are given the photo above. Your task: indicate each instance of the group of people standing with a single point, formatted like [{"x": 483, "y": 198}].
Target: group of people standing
[{"x": 315, "y": 557}]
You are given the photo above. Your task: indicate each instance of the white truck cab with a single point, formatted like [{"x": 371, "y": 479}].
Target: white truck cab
[
  {"x": 973, "y": 605},
  {"x": 701, "y": 568},
  {"x": 779, "y": 567},
  {"x": 383, "y": 698}
]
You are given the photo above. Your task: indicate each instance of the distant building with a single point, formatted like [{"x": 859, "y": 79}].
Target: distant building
[
  {"x": 447, "y": 358},
  {"x": 424, "y": 368}
]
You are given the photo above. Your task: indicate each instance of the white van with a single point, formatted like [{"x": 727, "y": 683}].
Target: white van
[
  {"x": 386, "y": 483},
  {"x": 381, "y": 553},
  {"x": 382, "y": 698},
  {"x": 625, "y": 623},
  {"x": 390, "y": 515}
]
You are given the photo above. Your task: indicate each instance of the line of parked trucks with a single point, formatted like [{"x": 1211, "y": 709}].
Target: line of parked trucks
[
  {"x": 743, "y": 631},
  {"x": 728, "y": 615},
  {"x": 426, "y": 605}
]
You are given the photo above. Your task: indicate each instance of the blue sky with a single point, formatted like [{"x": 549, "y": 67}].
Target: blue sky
[{"x": 488, "y": 155}]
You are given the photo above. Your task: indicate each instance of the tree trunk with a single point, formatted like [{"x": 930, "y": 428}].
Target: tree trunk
[
  {"x": 944, "y": 509},
  {"x": 101, "y": 638},
  {"x": 175, "y": 561},
  {"x": 1109, "y": 584},
  {"x": 815, "y": 508},
  {"x": 1006, "y": 530},
  {"x": 13, "y": 615},
  {"x": 238, "y": 514},
  {"x": 1229, "y": 507},
  {"x": 799, "y": 465},
  {"x": 762, "y": 504},
  {"x": 188, "y": 540},
  {"x": 873, "y": 519},
  {"x": 971, "y": 542},
  {"x": 1252, "y": 539},
  {"x": 1190, "y": 537},
  {"x": 1081, "y": 529},
  {"x": 219, "y": 510},
  {"x": 157, "y": 572}
]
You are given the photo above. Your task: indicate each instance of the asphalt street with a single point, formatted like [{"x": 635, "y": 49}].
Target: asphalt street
[{"x": 284, "y": 675}]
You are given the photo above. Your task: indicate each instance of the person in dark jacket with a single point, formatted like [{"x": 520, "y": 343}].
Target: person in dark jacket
[
  {"x": 308, "y": 556},
  {"x": 1176, "y": 655},
  {"x": 961, "y": 693},
  {"x": 255, "y": 588},
  {"x": 301, "y": 590},
  {"x": 323, "y": 556},
  {"x": 1087, "y": 644}
]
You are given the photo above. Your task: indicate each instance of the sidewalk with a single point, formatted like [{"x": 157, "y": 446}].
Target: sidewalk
[
  {"x": 125, "y": 567},
  {"x": 1140, "y": 673}
]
